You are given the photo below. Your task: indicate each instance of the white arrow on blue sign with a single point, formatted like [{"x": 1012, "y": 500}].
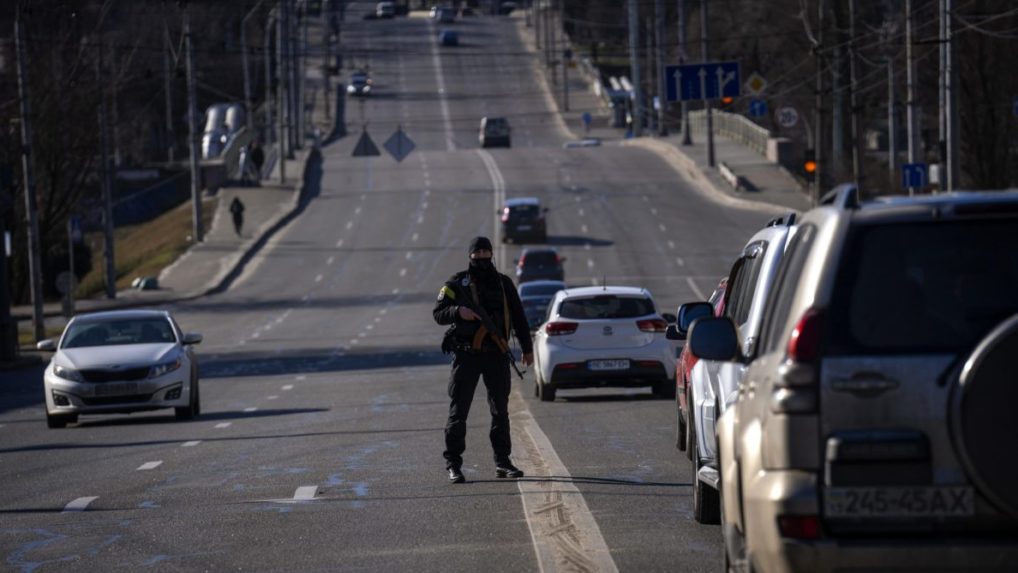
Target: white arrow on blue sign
[
  {"x": 913, "y": 175},
  {"x": 712, "y": 80},
  {"x": 757, "y": 108}
]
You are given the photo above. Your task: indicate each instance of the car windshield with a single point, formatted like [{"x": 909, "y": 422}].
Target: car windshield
[
  {"x": 82, "y": 334},
  {"x": 937, "y": 287},
  {"x": 606, "y": 306},
  {"x": 530, "y": 289},
  {"x": 540, "y": 259}
]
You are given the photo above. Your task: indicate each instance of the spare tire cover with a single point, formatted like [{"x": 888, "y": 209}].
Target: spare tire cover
[{"x": 984, "y": 416}]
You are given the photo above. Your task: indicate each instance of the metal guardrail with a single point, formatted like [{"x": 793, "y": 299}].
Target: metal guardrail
[{"x": 733, "y": 126}]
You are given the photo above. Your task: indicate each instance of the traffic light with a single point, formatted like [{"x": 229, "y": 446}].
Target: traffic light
[
  {"x": 809, "y": 162},
  {"x": 726, "y": 103}
]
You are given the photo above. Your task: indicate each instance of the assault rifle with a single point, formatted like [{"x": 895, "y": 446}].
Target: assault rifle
[{"x": 487, "y": 328}]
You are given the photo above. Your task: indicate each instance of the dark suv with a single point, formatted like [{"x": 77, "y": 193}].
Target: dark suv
[
  {"x": 538, "y": 264},
  {"x": 523, "y": 219},
  {"x": 874, "y": 428}
]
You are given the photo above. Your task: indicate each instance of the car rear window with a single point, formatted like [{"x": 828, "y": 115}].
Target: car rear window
[
  {"x": 538, "y": 290},
  {"x": 606, "y": 306},
  {"x": 523, "y": 211},
  {"x": 114, "y": 332},
  {"x": 924, "y": 287},
  {"x": 540, "y": 258}
]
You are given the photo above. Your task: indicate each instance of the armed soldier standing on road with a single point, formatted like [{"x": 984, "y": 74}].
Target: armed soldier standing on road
[{"x": 480, "y": 352}]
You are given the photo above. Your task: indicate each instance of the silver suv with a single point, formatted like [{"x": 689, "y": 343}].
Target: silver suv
[{"x": 875, "y": 427}]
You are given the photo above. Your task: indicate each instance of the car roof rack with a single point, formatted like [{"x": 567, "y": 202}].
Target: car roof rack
[
  {"x": 844, "y": 196},
  {"x": 788, "y": 219}
]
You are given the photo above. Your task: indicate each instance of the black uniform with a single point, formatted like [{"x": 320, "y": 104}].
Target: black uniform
[{"x": 498, "y": 297}]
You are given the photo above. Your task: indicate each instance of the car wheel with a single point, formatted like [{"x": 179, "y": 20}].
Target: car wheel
[
  {"x": 665, "y": 389},
  {"x": 190, "y": 411},
  {"x": 680, "y": 428},
  {"x": 55, "y": 421},
  {"x": 546, "y": 391},
  {"x": 706, "y": 504},
  {"x": 689, "y": 425}
]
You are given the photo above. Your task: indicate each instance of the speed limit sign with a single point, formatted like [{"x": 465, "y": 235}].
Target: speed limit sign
[{"x": 788, "y": 117}]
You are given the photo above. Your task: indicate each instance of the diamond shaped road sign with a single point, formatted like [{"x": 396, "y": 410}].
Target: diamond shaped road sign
[
  {"x": 365, "y": 147},
  {"x": 755, "y": 84},
  {"x": 399, "y": 145}
]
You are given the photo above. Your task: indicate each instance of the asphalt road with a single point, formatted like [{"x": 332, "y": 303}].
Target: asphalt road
[{"x": 324, "y": 393}]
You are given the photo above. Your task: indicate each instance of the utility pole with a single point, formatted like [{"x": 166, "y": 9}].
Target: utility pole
[
  {"x": 651, "y": 74},
  {"x": 553, "y": 48},
  {"x": 818, "y": 138},
  {"x": 704, "y": 31},
  {"x": 281, "y": 81},
  {"x": 109, "y": 251},
  {"x": 892, "y": 127},
  {"x": 565, "y": 61},
  {"x": 687, "y": 138},
  {"x": 951, "y": 100},
  {"x": 659, "y": 56},
  {"x": 634, "y": 67},
  {"x": 302, "y": 80},
  {"x": 292, "y": 35},
  {"x": 198, "y": 231},
  {"x": 535, "y": 8},
  {"x": 857, "y": 167},
  {"x": 248, "y": 111},
  {"x": 910, "y": 88},
  {"x": 269, "y": 101},
  {"x": 168, "y": 92},
  {"x": 31, "y": 210}
]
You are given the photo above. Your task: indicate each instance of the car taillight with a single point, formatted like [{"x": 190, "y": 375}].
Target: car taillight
[
  {"x": 652, "y": 325},
  {"x": 799, "y": 526},
  {"x": 560, "y": 328},
  {"x": 804, "y": 345},
  {"x": 522, "y": 258},
  {"x": 505, "y": 215}
]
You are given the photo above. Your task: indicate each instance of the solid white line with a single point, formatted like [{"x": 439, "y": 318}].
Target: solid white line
[
  {"x": 498, "y": 184},
  {"x": 696, "y": 290},
  {"x": 149, "y": 465},
  {"x": 190, "y": 444},
  {"x": 287, "y": 387},
  {"x": 222, "y": 425},
  {"x": 440, "y": 81},
  {"x": 305, "y": 493},
  {"x": 251, "y": 409},
  {"x": 79, "y": 504}
]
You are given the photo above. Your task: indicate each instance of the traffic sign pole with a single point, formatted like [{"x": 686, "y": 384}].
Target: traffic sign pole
[{"x": 704, "y": 39}]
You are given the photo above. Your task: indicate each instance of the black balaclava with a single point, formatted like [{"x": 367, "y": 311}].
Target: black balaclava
[{"x": 482, "y": 269}]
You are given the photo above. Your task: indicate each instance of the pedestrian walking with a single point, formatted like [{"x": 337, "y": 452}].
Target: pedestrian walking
[
  {"x": 237, "y": 210},
  {"x": 478, "y": 354},
  {"x": 257, "y": 155}
]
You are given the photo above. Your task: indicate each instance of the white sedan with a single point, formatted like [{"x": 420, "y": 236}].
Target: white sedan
[
  {"x": 602, "y": 336},
  {"x": 121, "y": 361}
]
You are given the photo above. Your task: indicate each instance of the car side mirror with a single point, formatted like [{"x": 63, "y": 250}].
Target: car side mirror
[
  {"x": 192, "y": 338},
  {"x": 46, "y": 345},
  {"x": 714, "y": 339},
  {"x": 692, "y": 311},
  {"x": 669, "y": 317},
  {"x": 672, "y": 333}
]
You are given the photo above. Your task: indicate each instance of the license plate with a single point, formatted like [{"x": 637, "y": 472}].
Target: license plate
[
  {"x": 119, "y": 389},
  {"x": 894, "y": 502},
  {"x": 608, "y": 365}
]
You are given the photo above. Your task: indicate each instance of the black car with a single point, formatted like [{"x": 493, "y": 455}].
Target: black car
[
  {"x": 539, "y": 264},
  {"x": 523, "y": 219},
  {"x": 536, "y": 296}
]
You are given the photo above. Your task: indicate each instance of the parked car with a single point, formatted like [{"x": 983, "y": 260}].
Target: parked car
[
  {"x": 871, "y": 431},
  {"x": 539, "y": 263},
  {"x": 713, "y": 385},
  {"x": 536, "y": 296},
  {"x": 523, "y": 219},
  {"x": 121, "y": 361},
  {"x": 360, "y": 83},
  {"x": 222, "y": 122},
  {"x": 606, "y": 336},
  {"x": 449, "y": 38},
  {"x": 685, "y": 362},
  {"x": 385, "y": 10},
  {"x": 494, "y": 132}
]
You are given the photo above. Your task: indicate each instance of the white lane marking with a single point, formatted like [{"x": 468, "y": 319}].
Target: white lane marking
[
  {"x": 671, "y": 244},
  {"x": 79, "y": 504},
  {"x": 584, "y": 547},
  {"x": 696, "y": 290},
  {"x": 409, "y": 255},
  {"x": 330, "y": 260},
  {"x": 287, "y": 388},
  {"x": 363, "y": 197},
  {"x": 362, "y": 335},
  {"x": 149, "y": 465},
  {"x": 301, "y": 377},
  {"x": 305, "y": 298},
  {"x": 402, "y": 272},
  {"x": 319, "y": 278},
  {"x": 395, "y": 291},
  {"x": 354, "y": 341},
  {"x": 357, "y": 211},
  {"x": 680, "y": 262},
  {"x": 414, "y": 237},
  {"x": 646, "y": 199},
  {"x": 440, "y": 81},
  {"x": 427, "y": 193},
  {"x": 190, "y": 444},
  {"x": 378, "y": 319},
  {"x": 662, "y": 227},
  {"x": 583, "y": 229},
  {"x": 424, "y": 205},
  {"x": 273, "y": 397},
  {"x": 305, "y": 493},
  {"x": 581, "y": 212},
  {"x": 420, "y": 219},
  {"x": 586, "y": 246},
  {"x": 653, "y": 210},
  {"x": 498, "y": 183},
  {"x": 222, "y": 425},
  {"x": 349, "y": 225},
  {"x": 2, "y": 425},
  {"x": 383, "y": 311},
  {"x": 369, "y": 327},
  {"x": 251, "y": 409},
  {"x": 339, "y": 243},
  {"x": 590, "y": 263}
]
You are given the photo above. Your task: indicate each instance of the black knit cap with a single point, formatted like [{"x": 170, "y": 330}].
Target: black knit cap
[{"x": 479, "y": 243}]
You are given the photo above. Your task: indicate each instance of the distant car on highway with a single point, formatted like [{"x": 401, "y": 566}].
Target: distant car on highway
[
  {"x": 494, "y": 132},
  {"x": 539, "y": 264},
  {"x": 118, "y": 362},
  {"x": 536, "y": 296},
  {"x": 444, "y": 14},
  {"x": 605, "y": 336},
  {"x": 523, "y": 219},
  {"x": 449, "y": 38},
  {"x": 360, "y": 83},
  {"x": 385, "y": 10}
]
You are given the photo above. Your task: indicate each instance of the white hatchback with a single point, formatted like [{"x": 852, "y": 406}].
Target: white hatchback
[
  {"x": 602, "y": 336},
  {"x": 121, "y": 361}
]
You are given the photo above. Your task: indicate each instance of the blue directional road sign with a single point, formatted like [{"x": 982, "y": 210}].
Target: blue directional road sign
[
  {"x": 757, "y": 108},
  {"x": 913, "y": 175},
  {"x": 712, "y": 80}
]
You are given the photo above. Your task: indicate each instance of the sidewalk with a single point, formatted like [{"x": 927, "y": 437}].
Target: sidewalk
[
  {"x": 212, "y": 265},
  {"x": 774, "y": 189}
]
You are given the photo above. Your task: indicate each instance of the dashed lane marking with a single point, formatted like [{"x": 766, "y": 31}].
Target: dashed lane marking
[
  {"x": 222, "y": 425},
  {"x": 662, "y": 227},
  {"x": 349, "y": 225},
  {"x": 409, "y": 255},
  {"x": 287, "y": 388},
  {"x": 301, "y": 377},
  {"x": 581, "y": 212},
  {"x": 680, "y": 262},
  {"x": 671, "y": 244},
  {"x": 149, "y": 465},
  {"x": 273, "y": 397},
  {"x": 357, "y": 211},
  {"x": 79, "y": 504},
  {"x": 251, "y": 409},
  {"x": 395, "y": 291},
  {"x": 590, "y": 263},
  {"x": 414, "y": 237},
  {"x": 583, "y": 229},
  {"x": 339, "y": 243},
  {"x": 696, "y": 290},
  {"x": 319, "y": 278},
  {"x": 402, "y": 272},
  {"x": 190, "y": 444},
  {"x": 653, "y": 210},
  {"x": 330, "y": 260}
]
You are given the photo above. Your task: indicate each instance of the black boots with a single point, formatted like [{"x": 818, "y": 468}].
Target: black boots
[
  {"x": 506, "y": 469},
  {"x": 456, "y": 476}
]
